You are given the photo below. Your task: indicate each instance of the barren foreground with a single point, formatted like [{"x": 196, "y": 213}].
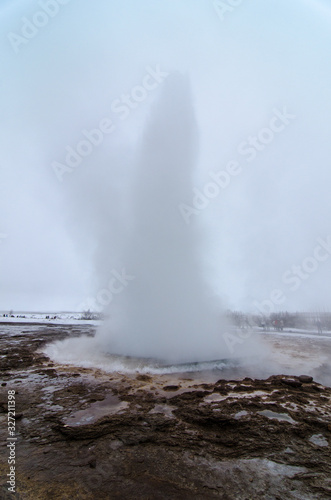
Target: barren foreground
[{"x": 85, "y": 434}]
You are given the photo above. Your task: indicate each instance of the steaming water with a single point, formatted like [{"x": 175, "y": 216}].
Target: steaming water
[
  {"x": 166, "y": 310},
  {"x": 86, "y": 353},
  {"x": 284, "y": 355}
]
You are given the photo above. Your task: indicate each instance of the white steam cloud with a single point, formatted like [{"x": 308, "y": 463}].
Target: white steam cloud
[{"x": 165, "y": 311}]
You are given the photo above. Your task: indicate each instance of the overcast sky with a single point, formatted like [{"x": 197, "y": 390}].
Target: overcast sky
[{"x": 260, "y": 75}]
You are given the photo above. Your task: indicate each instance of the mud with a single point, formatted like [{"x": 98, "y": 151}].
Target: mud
[{"x": 86, "y": 434}]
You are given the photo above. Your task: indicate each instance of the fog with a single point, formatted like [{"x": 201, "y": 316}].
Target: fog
[
  {"x": 167, "y": 310},
  {"x": 71, "y": 222}
]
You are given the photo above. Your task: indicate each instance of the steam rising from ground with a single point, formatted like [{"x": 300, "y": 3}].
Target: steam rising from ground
[{"x": 166, "y": 311}]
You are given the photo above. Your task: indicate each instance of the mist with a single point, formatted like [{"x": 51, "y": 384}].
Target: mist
[
  {"x": 166, "y": 309},
  {"x": 78, "y": 70}
]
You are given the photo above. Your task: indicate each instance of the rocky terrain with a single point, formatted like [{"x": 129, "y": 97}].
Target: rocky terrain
[{"x": 86, "y": 434}]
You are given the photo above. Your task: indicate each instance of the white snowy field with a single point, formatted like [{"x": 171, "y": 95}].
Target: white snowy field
[{"x": 59, "y": 318}]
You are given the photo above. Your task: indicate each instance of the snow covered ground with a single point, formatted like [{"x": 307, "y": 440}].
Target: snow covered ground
[
  {"x": 296, "y": 332},
  {"x": 59, "y": 318},
  {"x": 76, "y": 318}
]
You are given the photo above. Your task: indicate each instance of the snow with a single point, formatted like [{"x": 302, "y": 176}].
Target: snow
[
  {"x": 60, "y": 318},
  {"x": 299, "y": 333}
]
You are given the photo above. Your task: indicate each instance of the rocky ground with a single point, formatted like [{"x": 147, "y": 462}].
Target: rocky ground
[{"x": 85, "y": 434}]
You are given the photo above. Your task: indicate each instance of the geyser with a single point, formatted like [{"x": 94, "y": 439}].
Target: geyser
[{"x": 166, "y": 311}]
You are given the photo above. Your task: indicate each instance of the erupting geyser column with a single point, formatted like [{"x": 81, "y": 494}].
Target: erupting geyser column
[{"x": 165, "y": 311}]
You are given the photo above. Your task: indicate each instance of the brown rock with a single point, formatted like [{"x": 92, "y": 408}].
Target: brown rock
[
  {"x": 291, "y": 382},
  {"x": 171, "y": 388},
  {"x": 305, "y": 379},
  {"x": 144, "y": 378}
]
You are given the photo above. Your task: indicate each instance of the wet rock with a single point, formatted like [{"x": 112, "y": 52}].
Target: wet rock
[
  {"x": 305, "y": 379},
  {"x": 171, "y": 388},
  {"x": 291, "y": 382},
  {"x": 144, "y": 378},
  {"x": 104, "y": 426},
  {"x": 114, "y": 445},
  {"x": 92, "y": 463},
  {"x": 203, "y": 452},
  {"x": 96, "y": 397}
]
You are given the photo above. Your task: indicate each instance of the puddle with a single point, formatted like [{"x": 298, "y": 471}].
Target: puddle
[
  {"x": 109, "y": 406},
  {"x": 165, "y": 409},
  {"x": 319, "y": 440},
  {"x": 212, "y": 398},
  {"x": 309, "y": 407},
  {"x": 30, "y": 378},
  {"x": 50, "y": 407},
  {"x": 278, "y": 416},
  {"x": 50, "y": 388},
  {"x": 240, "y": 414},
  {"x": 26, "y": 421}
]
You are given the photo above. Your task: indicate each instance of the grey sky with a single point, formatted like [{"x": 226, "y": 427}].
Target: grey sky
[{"x": 55, "y": 237}]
